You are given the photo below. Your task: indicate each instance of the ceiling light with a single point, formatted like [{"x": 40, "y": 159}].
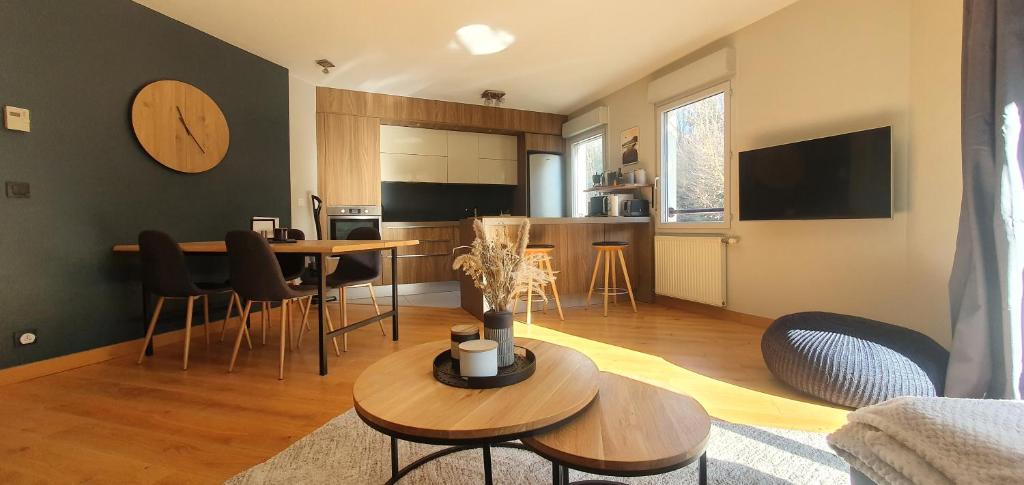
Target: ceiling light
[
  {"x": 324, "y": 63},
  {"x": 480, "y": 39},
  {"x": 493, "y": 97}
]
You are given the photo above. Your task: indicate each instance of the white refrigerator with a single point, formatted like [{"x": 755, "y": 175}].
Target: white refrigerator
[{"x": 547, "y": 185}]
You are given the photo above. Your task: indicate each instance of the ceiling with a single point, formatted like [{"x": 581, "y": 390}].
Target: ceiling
[{"x": 566, "y": 53}]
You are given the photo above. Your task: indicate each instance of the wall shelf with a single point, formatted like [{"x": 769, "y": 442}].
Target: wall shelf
[{"x": 618, "y": 188}]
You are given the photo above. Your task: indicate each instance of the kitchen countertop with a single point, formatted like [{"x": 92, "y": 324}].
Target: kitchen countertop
[
  {"x": 403, "y": 224},
  {"x": 518, "y": 219},
  {"x": 568, "y": 220}
]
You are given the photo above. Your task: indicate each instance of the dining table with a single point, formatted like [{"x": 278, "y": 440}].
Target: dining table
[{"x": 319, "y": 250}]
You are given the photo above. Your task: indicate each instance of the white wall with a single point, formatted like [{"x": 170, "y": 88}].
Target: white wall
[
  {"x": 822, "y": 67},
  {"x": 302, "y": 134}
]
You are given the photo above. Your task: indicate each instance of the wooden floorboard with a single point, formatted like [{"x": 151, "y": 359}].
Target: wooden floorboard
[{"x": 154, "y": 423}]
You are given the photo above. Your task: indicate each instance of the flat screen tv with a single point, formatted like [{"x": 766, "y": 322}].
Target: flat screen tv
[{"x": 838, "y": 177}]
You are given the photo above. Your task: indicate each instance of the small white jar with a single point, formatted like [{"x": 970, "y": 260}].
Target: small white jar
[{"x": 478, "y": 358}]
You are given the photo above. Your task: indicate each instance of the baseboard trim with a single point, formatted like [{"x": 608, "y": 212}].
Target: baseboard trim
[
  {"x": 714, "y": 311},
  {"x": 54, "y": 365}
]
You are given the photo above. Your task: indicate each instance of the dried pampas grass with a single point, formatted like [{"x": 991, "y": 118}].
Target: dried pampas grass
[{"x": 500, "y": 267}]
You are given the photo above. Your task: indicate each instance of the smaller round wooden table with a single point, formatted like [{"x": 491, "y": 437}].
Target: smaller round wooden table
[
  {"x": 399, "y": 397},
  {"x": 631, "y": 429}
]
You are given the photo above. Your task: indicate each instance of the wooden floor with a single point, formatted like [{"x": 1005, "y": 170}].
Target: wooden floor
[{"x": 154, "y": 423}]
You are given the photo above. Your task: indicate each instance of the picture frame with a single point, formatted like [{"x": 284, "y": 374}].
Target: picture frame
[
  {"x": 264, "y": 225},
  {"x": 630, "y": 146}
]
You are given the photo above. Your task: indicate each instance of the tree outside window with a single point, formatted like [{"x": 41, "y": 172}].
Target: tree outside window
[{"x": 694, "y": 160}]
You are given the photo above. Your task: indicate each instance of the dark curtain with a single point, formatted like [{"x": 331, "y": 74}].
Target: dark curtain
[{"x": 987, "y": 280}]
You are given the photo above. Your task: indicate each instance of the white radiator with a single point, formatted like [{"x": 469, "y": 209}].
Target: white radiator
[{"x": 690, "y": 268}]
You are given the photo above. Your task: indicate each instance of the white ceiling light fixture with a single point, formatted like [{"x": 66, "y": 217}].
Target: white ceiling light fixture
[{"x": 481, "y": 40}]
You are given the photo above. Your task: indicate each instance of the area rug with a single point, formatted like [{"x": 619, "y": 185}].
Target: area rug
[{"x": 345, "y": 450}]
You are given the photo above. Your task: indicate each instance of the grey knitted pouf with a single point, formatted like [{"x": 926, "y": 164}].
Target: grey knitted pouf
[{"x": 853, "y": 361}]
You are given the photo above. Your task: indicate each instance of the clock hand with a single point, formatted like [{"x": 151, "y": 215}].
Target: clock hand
[{"x": 182, "y": 120}]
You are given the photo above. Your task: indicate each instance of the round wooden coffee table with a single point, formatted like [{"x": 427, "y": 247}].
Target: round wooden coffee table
[
  {"x": 632, "y": 429},
  {"x": 399, "y": 397}
]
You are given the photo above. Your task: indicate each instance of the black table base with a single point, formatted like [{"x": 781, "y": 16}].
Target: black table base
[
  {"x": 399, "y": 473},
  {"x": 560, "y": 473},
  {"x": 324, "y": 334}
]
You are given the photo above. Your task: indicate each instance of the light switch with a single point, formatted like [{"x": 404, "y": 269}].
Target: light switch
[{"x": 16, "y": 118}]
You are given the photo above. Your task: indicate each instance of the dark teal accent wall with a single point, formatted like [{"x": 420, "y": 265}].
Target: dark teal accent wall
[{"x": 77, "y": 66}]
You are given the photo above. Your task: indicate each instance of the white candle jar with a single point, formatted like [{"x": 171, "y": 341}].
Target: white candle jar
[{"x": 478, "y": 358}]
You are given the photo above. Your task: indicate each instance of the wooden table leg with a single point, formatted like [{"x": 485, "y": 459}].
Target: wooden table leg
[
  {"x": 145, "y": 319},
  {"x": 605, "y": 254}
]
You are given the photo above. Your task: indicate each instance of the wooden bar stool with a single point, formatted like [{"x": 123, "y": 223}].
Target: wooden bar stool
[
  {"x": 545, "y": 264},
  {"x": 610, "y": 251}
]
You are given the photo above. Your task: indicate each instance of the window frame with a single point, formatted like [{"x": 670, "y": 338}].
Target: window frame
[
  {"x": 659, "y": 114},
  {"x": 572, "y": 142}
]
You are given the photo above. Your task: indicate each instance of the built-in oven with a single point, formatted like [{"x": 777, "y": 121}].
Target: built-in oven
[{"x": 342, "y": 219}]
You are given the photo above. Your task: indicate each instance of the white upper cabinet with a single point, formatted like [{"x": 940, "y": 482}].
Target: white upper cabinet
[
  {"x": 400, "y": 167},
  {"x": 413, "y": 141},
  {"x": 463, "y": 161},
  {"x": 502, "y": 172},
  {"x": 499, "y": 147},
  {"x": 456, "y": 157}
]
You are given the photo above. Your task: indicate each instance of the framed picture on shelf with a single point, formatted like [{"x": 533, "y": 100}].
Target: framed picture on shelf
[
  {"x": 630, "y": 145},
  {"x": 264, "y": 226}
]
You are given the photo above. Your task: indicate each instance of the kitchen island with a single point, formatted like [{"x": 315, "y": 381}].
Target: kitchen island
[{"x": 573, "y": 256}]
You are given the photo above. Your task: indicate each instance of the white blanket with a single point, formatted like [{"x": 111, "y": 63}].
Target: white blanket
[{"x": 911, "y": 440}]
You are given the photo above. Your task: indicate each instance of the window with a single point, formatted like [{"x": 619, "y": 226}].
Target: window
[
  {"x": 587, "y": 160},
  {"x": 694, "y": 159}
]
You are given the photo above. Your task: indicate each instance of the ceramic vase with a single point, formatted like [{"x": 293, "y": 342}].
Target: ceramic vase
[{"x": 498, "y": 327}]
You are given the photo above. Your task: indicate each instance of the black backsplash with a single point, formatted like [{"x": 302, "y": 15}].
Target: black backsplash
[{"x": 423, "y": 202}]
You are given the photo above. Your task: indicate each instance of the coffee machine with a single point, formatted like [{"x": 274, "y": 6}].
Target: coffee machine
[{"x": 636, "y": 208}]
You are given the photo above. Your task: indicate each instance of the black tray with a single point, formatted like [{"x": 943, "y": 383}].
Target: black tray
[
  {"x": 282, "y": 241},
  {"x": 446, "y": 371}
]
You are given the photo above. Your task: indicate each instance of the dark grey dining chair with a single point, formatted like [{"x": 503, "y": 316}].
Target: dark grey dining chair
[
  {"x": 165, "y": 275},
  {"x": 292, "y": 266},
  {"x": 257, "y": 277}
]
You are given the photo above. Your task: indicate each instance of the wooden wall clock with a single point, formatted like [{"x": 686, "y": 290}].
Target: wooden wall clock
[{"x": 180, "y": 126}]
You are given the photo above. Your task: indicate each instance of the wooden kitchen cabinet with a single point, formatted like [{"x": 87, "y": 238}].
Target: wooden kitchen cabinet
[
  {"x": 463, "y": 159},
  {"x": 348, "y": 159},
  {"x": 535, "y": 142},
  {"x": 427, "y": 262}
]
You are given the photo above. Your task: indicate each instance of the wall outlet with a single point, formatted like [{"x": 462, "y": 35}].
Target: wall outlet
[
  {"x": 25, "y": 337},
  {"x": 18, "y": 190}
]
